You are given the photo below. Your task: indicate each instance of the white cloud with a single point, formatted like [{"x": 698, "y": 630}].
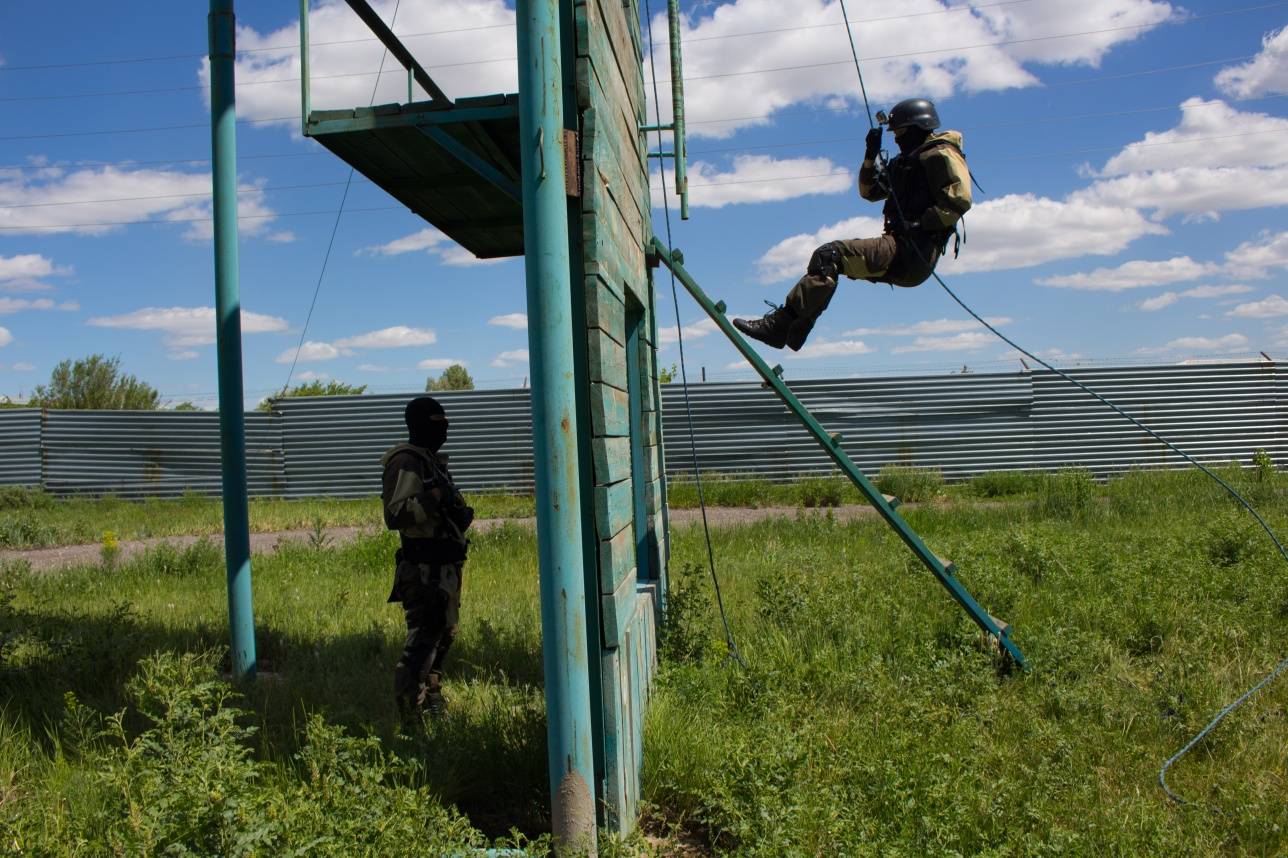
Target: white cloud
[
  {"x": 23, "y": 273},
  {"x": 434, "y": 243},
  {"x": 518, "y": 321},
  {"x": 1266, "y": 73},
  {"x": 345, "y": 56},
  {"x": 515, "y": 356},
  {"x": 1014, "y": 231},
  {"x": 1225, "y": 344},
  {"x": 311, "y": 352},
  {"x": 444, "y": 363},
  {"x": 8, "y": 306},
  {"x": 310, "y": 375},
  {"x": 830, "y": 348},
  {"x": 957, "y": 52},
  {"x": 282, "y": 236},
  {"x": 1257, "y": 258},
  {"x": 23, "y": 366},
  {"x": 966, "y": 341},
  {"x": 1158, "y": 302},
  {"x": 88, "y": 201},
  {"x": 5, "y": 337},
  {"x": 758, "y": 179},
  {"x": 1267, "y": 308},
  {"x": 371, "y": 367},
  {"x": 399, "y": 336},
  {"x": 787, "y": 259},
  {"x": 928, "y": 328},
  {"x": 693, "y": 331},
  {"x": 1133, "y": 275},
  {"x": 1216, "y": 159},
  {"x": 1215, "y": 291},
  {"x": 184, "y": 355},
  {"x": 185, "y": 327}
]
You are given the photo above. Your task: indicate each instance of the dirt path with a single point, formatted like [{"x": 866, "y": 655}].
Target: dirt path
[{"x": 45, "y": 559}]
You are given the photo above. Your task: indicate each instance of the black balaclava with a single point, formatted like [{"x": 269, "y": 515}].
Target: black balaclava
[
  {"x": 911, "y": 139},
  {"x": 422, "y": 431}
]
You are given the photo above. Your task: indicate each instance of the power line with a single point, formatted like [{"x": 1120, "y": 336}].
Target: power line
[
  {"x": 204, "y": 125},
  {"x": 1002, "y": 43},
  {"x": 162, "y": 221},
  {"x": 244, "y": 190},
  {"x": 130, "y": 162}
]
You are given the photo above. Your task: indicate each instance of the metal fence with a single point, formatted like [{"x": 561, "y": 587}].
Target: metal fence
[{"x": 959, "y": 424}]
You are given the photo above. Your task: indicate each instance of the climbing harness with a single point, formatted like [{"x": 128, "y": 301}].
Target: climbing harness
[{"x": 1283, "y": 664}]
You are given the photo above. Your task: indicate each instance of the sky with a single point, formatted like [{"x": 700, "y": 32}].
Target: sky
[{"x": 1134, "y": 156}]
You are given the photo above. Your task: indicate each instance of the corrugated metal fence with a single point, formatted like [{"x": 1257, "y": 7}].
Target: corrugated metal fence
[{"x": 960, "y": 424}]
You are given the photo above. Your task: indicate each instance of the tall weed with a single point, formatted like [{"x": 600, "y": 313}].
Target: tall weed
[
  {"x": 910, "y": 485},
  {"x": 1067, "y": 494}
]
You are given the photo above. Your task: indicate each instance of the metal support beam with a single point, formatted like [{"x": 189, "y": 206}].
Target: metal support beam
[
  {"x": 232, "y": 421},
  {"x": 397, "y": 48},
  {"x": 466, "y": 156},
  {"x": 306, "y": 101},
  {"x": 942, "y": 569},
  {"x": 555, "y": 427}
]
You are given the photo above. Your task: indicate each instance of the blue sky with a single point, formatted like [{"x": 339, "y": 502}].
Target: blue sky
[{"x": 1134, "y": 153}]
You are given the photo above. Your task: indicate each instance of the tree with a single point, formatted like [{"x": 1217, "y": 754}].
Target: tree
[
  {"x": 455, "y": 377},
  {"x": 314, "y": 388},
  {"x": 666, "y": 375},
  {"x": 95, "y": 382},
  {"x": 186, "y": 406}
]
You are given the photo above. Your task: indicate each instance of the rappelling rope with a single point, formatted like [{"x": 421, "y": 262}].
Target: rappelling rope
[
  {"x": 335, "y": 227},
  {"x": 1279, "y": 668},
  {"x": 684, "y": 379}
]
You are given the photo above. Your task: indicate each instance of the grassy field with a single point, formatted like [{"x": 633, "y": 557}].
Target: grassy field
[
  {"x": 33, "y": 519},
  {"x": 869, "y": 721}
]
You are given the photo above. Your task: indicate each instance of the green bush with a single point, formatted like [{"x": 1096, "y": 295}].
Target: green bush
[
  {"x": 910, "y": 485},
  {"x": 996, "y": 484},
  {"x": 685, "y": 635},
  {"x": 822, "y": 491},
  {"x": 24, "y": 497},
  {"x": 1070, "y": 493},
  {"x": 25, "y": 530}
]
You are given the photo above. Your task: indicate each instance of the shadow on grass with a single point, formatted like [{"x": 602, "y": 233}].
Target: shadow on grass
[{"x": 488, "y": 756}]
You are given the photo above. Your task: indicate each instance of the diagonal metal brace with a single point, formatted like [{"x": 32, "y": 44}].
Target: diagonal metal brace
[
  {"x": 469, "y": 158},
  {"x": 942, "y": 569}
]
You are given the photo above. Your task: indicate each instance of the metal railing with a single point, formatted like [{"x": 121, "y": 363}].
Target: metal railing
[{"x": 961, "y": 425}]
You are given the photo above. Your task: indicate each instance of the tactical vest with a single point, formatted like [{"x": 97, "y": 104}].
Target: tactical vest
[
  {"x": 447, "y": 544},
  {"x": 910, "y": 191}
]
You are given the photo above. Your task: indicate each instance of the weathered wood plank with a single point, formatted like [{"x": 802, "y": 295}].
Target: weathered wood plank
[
  {"x": 604, "y": 308},
  {"x": 618, "y": 143},
  {"x": 613, "y": 508},
  {"x": 612, "y": 459},
  {"x": 607, "y": 359},
  {"x": 609, "y": 411},
  {"x": 616, "y": 558},
  {"x": 627, "y": 66},
  {"x": 652, "y": 465},
  {"x": 648, "y": 432},
  {"x": 604, "y": 163},
  {"x": 653, "y": 496},
  {"x": 618, "y": 611}
]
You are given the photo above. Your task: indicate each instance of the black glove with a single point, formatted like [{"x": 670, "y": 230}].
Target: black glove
[{"x": 873, "y": 141}]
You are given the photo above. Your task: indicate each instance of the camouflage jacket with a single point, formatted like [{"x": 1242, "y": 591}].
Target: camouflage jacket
[
  {"x": 931, "y": 184},
  {"x": 432, "y": 528}
]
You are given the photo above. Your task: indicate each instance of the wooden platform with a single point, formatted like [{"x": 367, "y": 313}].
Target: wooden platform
[{"x": 457, "y": 166}]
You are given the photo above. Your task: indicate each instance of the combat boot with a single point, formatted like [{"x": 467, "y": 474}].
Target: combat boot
[
  {"x": 772, "y": 329},
  {"x": 798, "y": 332},
  {"x": 431, "y": 699}
]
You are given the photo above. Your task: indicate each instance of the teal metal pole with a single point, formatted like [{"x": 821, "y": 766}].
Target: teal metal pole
[
  {"x": 232, "y": 419},
  {"x": 555, "y": 426},
  {"x": 677, "y": 109},
  {"x": 305, "y": 98}
]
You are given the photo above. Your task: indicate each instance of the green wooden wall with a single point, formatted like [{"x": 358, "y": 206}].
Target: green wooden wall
[{"x": 624, "y": 399}]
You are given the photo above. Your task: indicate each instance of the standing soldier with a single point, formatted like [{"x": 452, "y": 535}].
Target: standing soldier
[
  {"x": 926, "y": 188},
  {"x": 421, "y": 503}
]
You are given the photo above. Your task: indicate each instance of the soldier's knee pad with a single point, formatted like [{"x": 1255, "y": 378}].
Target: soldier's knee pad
[{"x": 826, "y": 260}]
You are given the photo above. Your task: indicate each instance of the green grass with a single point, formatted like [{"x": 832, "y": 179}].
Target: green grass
[
  {"x": 32, "y": 519},
  {"x": 871, "y": 720}
]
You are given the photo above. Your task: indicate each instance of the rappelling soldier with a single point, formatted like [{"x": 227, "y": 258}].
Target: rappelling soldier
[
  {"x": 422, "y": 503},
  {"x": 926, "y": 188}
]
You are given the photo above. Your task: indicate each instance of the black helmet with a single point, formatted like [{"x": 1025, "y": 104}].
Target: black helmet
[{"x": 914, "y": 111}]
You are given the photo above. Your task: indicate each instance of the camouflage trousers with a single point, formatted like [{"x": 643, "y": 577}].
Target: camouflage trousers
[
  {"x": 431, "y": 600},
  {"x": 884, "y": 259}
]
